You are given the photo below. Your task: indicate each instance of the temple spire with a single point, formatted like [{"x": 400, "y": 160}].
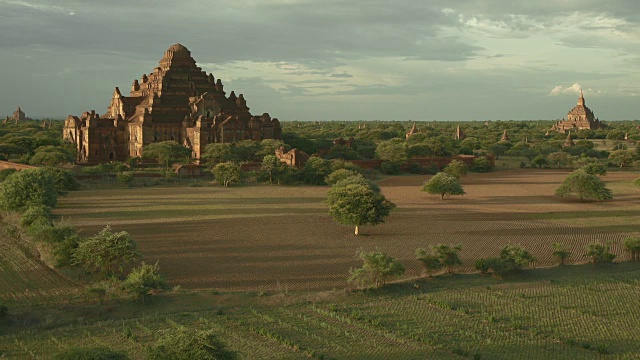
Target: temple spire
[{"x": 581, "y": 99}]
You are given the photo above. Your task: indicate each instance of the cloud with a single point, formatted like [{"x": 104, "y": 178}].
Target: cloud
[{"x": 574, "y": 89}]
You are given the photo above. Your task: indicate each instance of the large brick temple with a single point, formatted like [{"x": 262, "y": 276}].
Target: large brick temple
[
  {"x": 580, "y": 117},
  {"x": 177, "y": 101}
]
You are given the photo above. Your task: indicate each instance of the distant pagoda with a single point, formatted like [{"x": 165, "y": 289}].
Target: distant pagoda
[{"x": 580, "y": 117}]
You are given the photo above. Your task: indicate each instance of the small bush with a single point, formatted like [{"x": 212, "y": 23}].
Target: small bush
[
  {"x": 481, "y": 164},
  {"x": 390, "y": 167},
  {"x": 632, "y": 246},
  {"x": 86, "y": 353},
  {"x": 376, "y": 269},
  {"x": 483, "y": 265},
  {"x": 182, "y": 343},
  {"x": 637, "y": 182},
  {"x": 599, "y": 253},
  {"x": 37, "y": 212},
  {"x": 125, "y": 177},
  {"x": 143, "y": 280}
]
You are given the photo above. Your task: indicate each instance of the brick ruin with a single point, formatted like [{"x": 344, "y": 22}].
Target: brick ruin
[{"x": 177, "y": 101}]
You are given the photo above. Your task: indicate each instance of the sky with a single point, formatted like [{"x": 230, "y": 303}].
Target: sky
[{"x": 334, "y": 59}]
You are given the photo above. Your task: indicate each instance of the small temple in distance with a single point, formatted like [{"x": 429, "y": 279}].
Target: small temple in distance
[
  {"x": 179, "y": 102},
  {"x": 17, "y": 116},
  {"x": 580, "y": 117}
]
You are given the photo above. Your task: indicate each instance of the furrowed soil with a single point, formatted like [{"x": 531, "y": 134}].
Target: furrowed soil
[{"x": 263, "y": 237}]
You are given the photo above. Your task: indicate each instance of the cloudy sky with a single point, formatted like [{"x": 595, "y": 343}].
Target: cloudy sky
[{"x": 331, "y": 59}]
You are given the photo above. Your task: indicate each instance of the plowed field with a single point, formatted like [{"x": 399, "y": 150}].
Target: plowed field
[{"x": 270, "y": 237}]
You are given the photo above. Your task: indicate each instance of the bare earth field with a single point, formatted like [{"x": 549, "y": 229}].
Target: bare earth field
[{"x": 270, "y": 237}]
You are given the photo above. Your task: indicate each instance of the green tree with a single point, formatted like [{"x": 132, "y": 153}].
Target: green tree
[
  {"x": 106, "y": 251},
  {"x": 227, "y": 173},
  {"x": 560, "y": 252},
  {"x": 272, "y": 166},
  {"x": 355, "y": 201},
  {"x": 143, "y": 280},
  {"x": 430, "y": 261},
  {"x": 443, "y": 184},
  {"x": 539, "y": 161},
  {"x": 456, "y": 168},
  {"x": 218, "y": 153},
  {"x": 394, "y": 150},
  {"x": 559, "y": 159},
  {"x": 599, "y": 253},
  {"x": 269, "y": 147},
  {"x": 182, "y": 343},
  {"x": 166, "y": 153},
  {"x": 50, "y": 156},
  {"x": 481, "y": 164},
  {"x": 590, "y": 165},
  {"x": 622, "y": 158},
  {"x": 27, "y": 188},
  {"x": 315, "y": 170},
  {"x": 632, "y": 246},
  {"x": 340, "y": 175},
  {"x": 448, "y": 255},
  {"x": 585, "y": 186},
  {"x": 511, "y": 260},
  {"x": 377, "y": 268}
]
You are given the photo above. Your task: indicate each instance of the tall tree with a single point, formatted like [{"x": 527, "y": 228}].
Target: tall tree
[
  {"x": 166, "y": 152},
  {"x": 356, "y": 201},
  {"x": 443, "y": 184}
]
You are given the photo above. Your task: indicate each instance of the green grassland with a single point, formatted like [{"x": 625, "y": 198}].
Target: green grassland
[{"x": 579, "y": 311}]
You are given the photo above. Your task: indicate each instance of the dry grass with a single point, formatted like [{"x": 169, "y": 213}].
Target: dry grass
[{"x": 268, "y": 237}]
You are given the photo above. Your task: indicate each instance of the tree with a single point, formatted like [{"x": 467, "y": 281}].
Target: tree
[
  {"x": 394, "y": 150},
  {"x": 268, "y": 147},
  {"x": 315, "y": 170},
  {"x": 599, "y": 253},
  {"x": 166, "y": 152},
  {"x": 340, "y": 175},
  {"x": 227, "y": 173},
  {"x": 585, "y": 186},
  {"x": 559, "y": 159},
  {"x": 590, "y": 165},
  {"x": 481, "y": 164},
  {"x": 27, "y": 188},
  {"x": 106, "y": 251},
  {"x": 217, "y": 153},
  {"x": 181, "y": 343},
  {"x": 271, "y": 165},
  {"x": 448, "y": 255},
  {"x": 377, "y": 268},
  {"x": 356, "y": 201},
  {"x": 430, "y": 261},
  {"x": 445, "y": 256},
  {"x": 51, "y": 156},
  {"x": 443, "y": 184},
  {"x": 539, "y": 161},
  {"x": 560, "y": 252},
  {"x": 142, "y": 280},
  {"x": 456, "y": 168},
  {"x": 511, "y": 260},
  {"x": 621, "y": 158},
  {"x": 632, "y": 246}
]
